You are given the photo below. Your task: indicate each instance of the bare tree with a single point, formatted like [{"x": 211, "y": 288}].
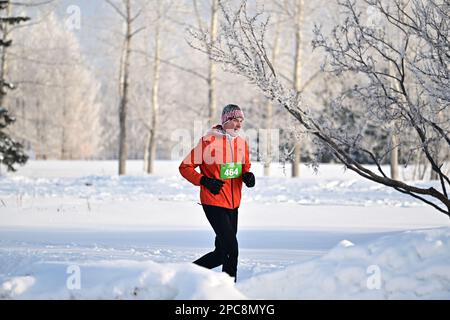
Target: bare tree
[
  {"x": 356, "y": 48},
  {"x": 128, "y": 19},
  {"x": 211, "y": 75},
  {"x": 150, "y": 150}
]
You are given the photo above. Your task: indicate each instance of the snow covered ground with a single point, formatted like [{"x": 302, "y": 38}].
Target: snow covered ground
[{"x": 77, "y": 230}]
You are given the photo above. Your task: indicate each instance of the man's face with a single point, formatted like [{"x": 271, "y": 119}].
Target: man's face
[{"x": 233, "y": 126}]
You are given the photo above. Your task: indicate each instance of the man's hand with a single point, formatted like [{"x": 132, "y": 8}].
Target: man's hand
[
  {"x": 213, "y": 185},
  {"x": 249, "y": 179}
]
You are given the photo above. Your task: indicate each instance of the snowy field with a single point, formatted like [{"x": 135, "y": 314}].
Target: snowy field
[{"x": 77, "y": 230}]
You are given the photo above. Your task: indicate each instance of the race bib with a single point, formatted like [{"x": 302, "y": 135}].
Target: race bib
[{"x": 230, "y": 170}]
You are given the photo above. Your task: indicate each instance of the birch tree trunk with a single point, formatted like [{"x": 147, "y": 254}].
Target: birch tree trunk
[
  {"x": 124, "y": 78},
  {"x": 64, "y": 155},
  {"x": 150, "y": 154},
  {"x": 124, "y": 81},
  {"x": 394, "y": 138},
  {"x": 123, "y": 148},
  {"x": 394, "y": 157},
  {"x": 212, "y": 99},
  {"x": 269, "y": 106},
  {"x": 299, "y": 19},
  {"x": 210, "y": 77}
]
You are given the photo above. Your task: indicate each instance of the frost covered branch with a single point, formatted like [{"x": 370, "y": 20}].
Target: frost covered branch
[{"x": 402, "y": 85}]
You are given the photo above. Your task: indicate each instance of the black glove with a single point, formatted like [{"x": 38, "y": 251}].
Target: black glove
[
  {"x": 213, "y": 185},
  {"x": 249, "y": 179}
]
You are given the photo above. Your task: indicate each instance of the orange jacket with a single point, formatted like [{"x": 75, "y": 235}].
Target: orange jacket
[{"x": 213, "y": 150}]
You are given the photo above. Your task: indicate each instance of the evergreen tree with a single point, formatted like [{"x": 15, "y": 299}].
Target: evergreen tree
[{"x": 11, "y": 152}]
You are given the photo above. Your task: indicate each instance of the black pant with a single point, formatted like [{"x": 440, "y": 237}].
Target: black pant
[{"x": 224, "y": 222}]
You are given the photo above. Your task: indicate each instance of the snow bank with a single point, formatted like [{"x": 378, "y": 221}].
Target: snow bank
[
  {"x": 15, "y": 286},
  {"x": 408, "y": 265},
  {"x": 405, "y": 265},
  {"x": 119, "y": 279}
]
